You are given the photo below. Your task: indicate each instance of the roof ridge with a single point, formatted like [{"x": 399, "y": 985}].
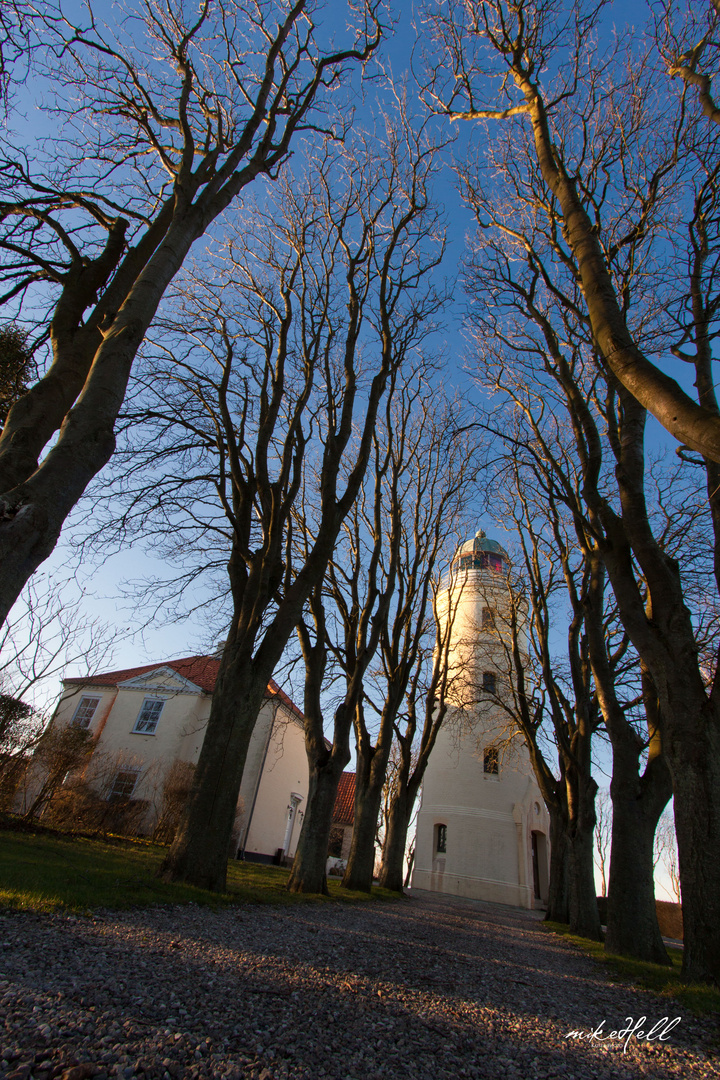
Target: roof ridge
[{"x": 203, "y": 676}]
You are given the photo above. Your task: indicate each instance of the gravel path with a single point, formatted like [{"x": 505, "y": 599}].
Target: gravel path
[{"x": 428, "y": 988}]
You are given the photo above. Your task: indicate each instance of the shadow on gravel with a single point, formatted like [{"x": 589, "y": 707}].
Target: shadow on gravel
[{"x": 414, "y": 990}]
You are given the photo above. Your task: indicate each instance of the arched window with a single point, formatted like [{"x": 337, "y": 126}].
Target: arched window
[
  {"x": 489, "y": 682},
  {"x": 441, "y": 838}
]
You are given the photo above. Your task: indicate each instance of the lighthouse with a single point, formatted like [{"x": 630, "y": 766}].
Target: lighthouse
[{"x": 483, "y": 828}]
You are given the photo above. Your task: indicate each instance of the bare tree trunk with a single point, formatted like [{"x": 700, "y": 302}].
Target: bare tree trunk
[
  {"x": 558, "y": 893},
  {"x": 238, "y": 697},
  {"x": 361, "y": 860},
  {"x": 369, "y": 781},
  {"x": 396, "y": 825},
  {"x": 689, "y": 713},
  {"x": 584, "y": 914},
  {"x": 693, "y": 759},
  {"x": 411, "y": 863},
  {"x": 308, "y": 871},
  {"x": 638, "y": 802}
]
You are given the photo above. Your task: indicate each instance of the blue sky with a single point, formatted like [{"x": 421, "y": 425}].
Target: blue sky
[{"x": 101, "y": 585}]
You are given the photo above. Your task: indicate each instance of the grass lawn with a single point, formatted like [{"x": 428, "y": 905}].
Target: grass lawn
[
  {"x": 697, "y": 997},
  {"x": 48, "y": 872}
]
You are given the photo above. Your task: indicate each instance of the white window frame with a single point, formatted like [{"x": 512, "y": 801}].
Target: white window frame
[
  {"x": 117, "y": 796},
  {"x": 137, "y": 730},
  {"x": 79, "y": 721}
]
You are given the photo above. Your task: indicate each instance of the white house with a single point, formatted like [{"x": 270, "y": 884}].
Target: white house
[
  {"x": 483, "y": 828},
  {"x": 145, "y": 720}
]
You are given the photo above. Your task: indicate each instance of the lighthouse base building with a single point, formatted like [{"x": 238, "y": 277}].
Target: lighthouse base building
[
  {"x": 481, "y": 833},
  {"x": 483, "y": 828}
]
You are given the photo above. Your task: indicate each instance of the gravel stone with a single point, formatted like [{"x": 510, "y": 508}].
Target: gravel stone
[{"x": 427, "y": 988}]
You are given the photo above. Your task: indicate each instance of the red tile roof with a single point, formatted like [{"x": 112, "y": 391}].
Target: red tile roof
[
  {"x": 344, "y": 809},
  {"x": 201, "y": 670}
]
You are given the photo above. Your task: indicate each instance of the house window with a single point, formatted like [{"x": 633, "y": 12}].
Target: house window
[
  {"x": 85, "y": 711},
  {"x": 488, "y": 618},
  {"x": 489, "y": 682},
  {"x": 491, "y": 760},
  {"x": 123, "y": 785},
  {"x": 148, "y": 716},
  {"x": 441, "y": 838}
]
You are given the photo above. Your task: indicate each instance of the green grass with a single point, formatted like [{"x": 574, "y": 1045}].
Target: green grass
[
  {"x": 49, "y": 872},
  {"x": 665, "y": 981}
]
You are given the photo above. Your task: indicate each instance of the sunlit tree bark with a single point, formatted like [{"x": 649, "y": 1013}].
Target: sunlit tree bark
[
  {"x": 688, "y": 42},
  {"x": 511, "y": 44}
]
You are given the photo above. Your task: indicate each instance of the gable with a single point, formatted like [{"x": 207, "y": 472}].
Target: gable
[
  {"x": 163, "y": 679},
  {"x": 190, "y": 675}
]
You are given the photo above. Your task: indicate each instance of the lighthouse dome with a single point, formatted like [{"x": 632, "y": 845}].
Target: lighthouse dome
[{"x": 482, "y": 553}]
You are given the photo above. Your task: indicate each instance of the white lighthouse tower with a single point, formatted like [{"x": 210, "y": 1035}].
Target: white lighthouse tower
[{"x": 483, "y": 827}]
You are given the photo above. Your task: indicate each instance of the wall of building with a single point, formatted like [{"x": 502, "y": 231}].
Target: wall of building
[
  {"x": 276, "y": 764},
  {"x": 285, "y": 774},
  {"x": 488, "y": 819},
  {"x": 474, "y": 646}
]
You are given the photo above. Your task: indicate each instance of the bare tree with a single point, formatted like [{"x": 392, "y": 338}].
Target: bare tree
[
  {"x": 538, "y": 689},
  {"x": 603, "y": 836},
  {"x": 612, "y": 203},
  {"x": 556, "y": 465},
  {"x": 173, "y": 115},
  {"x": 369, "y": 575},
  {"x": 177, "y": 785},
  {"x": 346, "y": 608},
  {"x": 428, "y": 685},
  {"x": 429, "y": 482},
  {"x": 687, "y": 40},
  {"x": 281, "y": 366},
  {"x": 666, "y": 853},
  {"x": 61, "y": 751},
  {"x": 46, "y": 634},
  {"x": 641, "y": 785},
  {"x": 512, "y": 45}
]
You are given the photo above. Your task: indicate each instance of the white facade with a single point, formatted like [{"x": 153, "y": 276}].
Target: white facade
[
  {"x": 483, "y": 827},
  {"x": 147, "y": 719}
]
